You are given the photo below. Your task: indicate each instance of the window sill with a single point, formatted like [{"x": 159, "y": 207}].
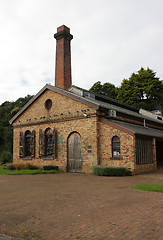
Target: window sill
[
  {"x": 144, "y": 163},
  {"x": 48, "y": 158},
  {"x": 116, "y": 158},
  {"x": 27, "y": 158}
]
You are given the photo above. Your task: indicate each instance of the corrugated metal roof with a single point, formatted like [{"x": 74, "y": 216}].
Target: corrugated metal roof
[
  {"x": 140, "y": 130},
  {"x": 120, "y": 107},
  {"x": 124, "y": 110}
]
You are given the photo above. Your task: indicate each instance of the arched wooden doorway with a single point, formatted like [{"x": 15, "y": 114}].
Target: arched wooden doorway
[{"x": 74, "y": 156}]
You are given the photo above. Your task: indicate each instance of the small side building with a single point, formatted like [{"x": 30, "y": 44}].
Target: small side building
[{"x": 72, "y": 128}]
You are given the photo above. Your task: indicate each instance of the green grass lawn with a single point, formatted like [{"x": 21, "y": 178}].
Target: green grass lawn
[
  {"x": 149, "y": 187},
  {"x": 24, "y": 171}
]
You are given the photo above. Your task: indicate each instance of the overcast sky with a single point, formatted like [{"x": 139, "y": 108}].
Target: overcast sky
[{"x": 112, "y": 39}]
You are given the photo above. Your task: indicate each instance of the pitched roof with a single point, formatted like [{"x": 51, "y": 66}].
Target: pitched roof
[
  {"x": 103, "y": 98},
  {"x": 140, "y": 130},
  {"x": 93, "y": 100},
  {"x": 113, "y": 104},
  {"x": 133, "y": 129}
]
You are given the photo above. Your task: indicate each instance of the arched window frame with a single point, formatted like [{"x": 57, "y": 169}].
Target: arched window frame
[
  {"x": 48, "y": 142},
  {"x": 21, "y": 144},
  {"x": 116, "y": 147},
  {"x": 28, "y": 143},
  {"x": 48, "y": 136}
]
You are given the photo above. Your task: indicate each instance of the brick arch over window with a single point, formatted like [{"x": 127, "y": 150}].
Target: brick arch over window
[{"x": 116, "y": 149}]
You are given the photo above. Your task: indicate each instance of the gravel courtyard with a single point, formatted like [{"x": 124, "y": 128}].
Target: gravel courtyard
[{"x": 80, "y": 206}]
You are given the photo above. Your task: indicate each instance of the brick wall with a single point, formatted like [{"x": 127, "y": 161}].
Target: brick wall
[
  {"x": 126, "y": 144},
  {"x": 85, "y": 127},
  {"x": 64, "y": 124},
  {"x": 128, "y": 150},
  {"x": 66, "y": 116}
]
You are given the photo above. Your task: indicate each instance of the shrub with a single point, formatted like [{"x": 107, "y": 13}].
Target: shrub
[
  {"x": 50, "y": 167},
  {"x": 28, "y": 166},
  {"x": 31, "y": 166},
  {"x": 5, "y": 157},
  {"x": 20, "y": 166},
  {"x": 129, "y": 172},
  {"x": 109, "y": 171},
  {"x": 10, "y": 167}
]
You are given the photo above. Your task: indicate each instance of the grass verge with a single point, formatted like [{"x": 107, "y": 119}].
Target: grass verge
[
  {"x": 24, "y": 171},
  {"x": 149, "y": 187}
]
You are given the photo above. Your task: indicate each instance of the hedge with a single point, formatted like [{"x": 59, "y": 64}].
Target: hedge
[
  {"x": 50, "y": 167},
  {"x": 109, "y": 171}
]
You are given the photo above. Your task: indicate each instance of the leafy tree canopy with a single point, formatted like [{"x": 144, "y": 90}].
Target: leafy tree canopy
[
  {"x": 106, "y": 89},
  {"x": 143, "y": 90}
]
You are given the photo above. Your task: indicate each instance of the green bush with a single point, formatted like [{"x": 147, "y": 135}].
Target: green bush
[
  {"x": 50, "y": 167},
  {"x": 5, "y": 157},
  {"x": 109, "y": 171}
]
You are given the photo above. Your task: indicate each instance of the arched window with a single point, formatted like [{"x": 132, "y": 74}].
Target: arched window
[
  {"x": 116, "y": 146},
  {"x": 28, "y": 143},
  {"x": 48, "y": 142}
]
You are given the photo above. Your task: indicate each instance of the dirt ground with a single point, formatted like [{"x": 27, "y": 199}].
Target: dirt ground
[{"x": 80, "y": 206}]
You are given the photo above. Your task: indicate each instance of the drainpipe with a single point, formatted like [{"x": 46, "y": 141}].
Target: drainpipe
[
  {"x": 145, "y": 124},
  {"x": 98, "y": 140}
]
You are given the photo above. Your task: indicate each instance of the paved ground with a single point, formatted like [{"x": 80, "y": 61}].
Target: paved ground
[
  {"x": 79, "y": 206},
  {"x": 5, "y": 237}
]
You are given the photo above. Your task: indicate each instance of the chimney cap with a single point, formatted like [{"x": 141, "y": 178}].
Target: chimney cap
[{"x": 63, "y": 32}]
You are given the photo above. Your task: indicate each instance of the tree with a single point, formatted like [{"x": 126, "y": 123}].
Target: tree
[
  {"x": 96, "y": 88},
  {"x": 106, "y": 89},
  {"x": 143, "y": 90}
]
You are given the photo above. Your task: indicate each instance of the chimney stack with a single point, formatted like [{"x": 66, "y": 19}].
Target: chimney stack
[{"x": 63, "y": 58}]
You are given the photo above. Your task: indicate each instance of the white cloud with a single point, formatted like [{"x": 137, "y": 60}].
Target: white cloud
[{"x": 112, "y": 39}]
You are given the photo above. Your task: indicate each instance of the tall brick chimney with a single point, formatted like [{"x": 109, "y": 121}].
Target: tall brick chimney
[{"x": 63, "y": 58}]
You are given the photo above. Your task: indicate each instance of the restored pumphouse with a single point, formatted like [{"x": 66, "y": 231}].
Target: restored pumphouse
[{"x": 72, "y": 128}]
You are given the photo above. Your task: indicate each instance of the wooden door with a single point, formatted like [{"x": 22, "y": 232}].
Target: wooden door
[{"x": 74, "y": 163}]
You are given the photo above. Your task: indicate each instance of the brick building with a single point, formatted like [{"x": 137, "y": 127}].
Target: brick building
[{"x": 75, "y": 129}]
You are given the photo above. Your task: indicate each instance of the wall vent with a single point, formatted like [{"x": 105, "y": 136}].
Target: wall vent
[{"x": 112, "y": 113}]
